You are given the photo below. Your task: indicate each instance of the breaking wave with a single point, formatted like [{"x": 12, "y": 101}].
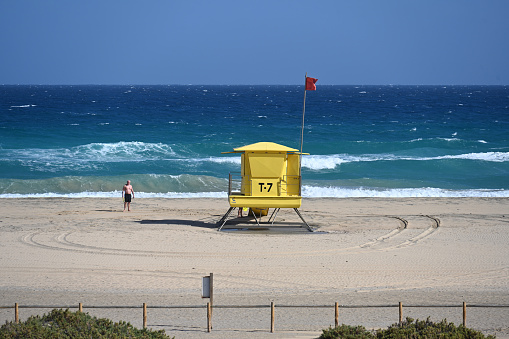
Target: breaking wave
[
  {"x": 318, "y": 162},
  {"x": 200, "y": 186}
]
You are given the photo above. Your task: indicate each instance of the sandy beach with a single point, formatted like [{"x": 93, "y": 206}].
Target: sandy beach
[{"x": 365, "y": 251}]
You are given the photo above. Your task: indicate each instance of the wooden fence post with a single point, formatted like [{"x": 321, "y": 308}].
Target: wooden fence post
[
  {"x": 336, "y": 317},
  {"x": 211, "y": 290},
  {"x": 400, "y": 313},
  {"x": 209, "y": 317},
  {"x": 16, "y": 313},
  {"x": 80, "y": 307},
  {"x": 465, "y": 314},
  {"x": 272, "y": 314},
  {"x": 144, "y": 315}
]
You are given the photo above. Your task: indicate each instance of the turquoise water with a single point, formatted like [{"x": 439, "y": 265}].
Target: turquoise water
[{"x": 384, "y": 141}]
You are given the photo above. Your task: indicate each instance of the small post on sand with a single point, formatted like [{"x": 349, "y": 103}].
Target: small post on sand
[
  {"x": 16, "y": 313},
  {"x": 272, "y": 316},
  {"x": 208, "y": 292},
  {"x": 144, "y": 315},
  {"x": 211, "y": 291},
  {"x": 400, "y": 313},
  {"x": 209, "y": 317},
  {"x": 80, "y": 307},
  {"x": 336, "y": 317},
  {"x": 464, "y": 314}
]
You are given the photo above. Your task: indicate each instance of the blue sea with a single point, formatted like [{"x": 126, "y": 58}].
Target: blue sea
[{"x": 364, "y": 141}]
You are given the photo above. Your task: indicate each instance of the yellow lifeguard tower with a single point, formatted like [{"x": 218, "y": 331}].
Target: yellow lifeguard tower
[{"x": 269, "y": 178}]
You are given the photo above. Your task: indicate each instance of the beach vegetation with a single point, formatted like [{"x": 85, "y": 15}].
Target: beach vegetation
[
  {"x": 346, "y": 332},
  {"x": 408, "y": 329},
  {"x": 60, "y": 324}
]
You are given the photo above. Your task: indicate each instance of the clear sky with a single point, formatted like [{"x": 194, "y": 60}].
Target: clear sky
[{"x": 355, "y": 42}]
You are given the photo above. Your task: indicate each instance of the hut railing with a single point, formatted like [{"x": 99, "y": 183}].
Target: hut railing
[
  {"x": 239, "y": 185},
  {"x": 291, "y": 185}
]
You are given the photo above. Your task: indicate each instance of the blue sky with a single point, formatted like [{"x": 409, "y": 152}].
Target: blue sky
[{"x": 361, "y": 42}]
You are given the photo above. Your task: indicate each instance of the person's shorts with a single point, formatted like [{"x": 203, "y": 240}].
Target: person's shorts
[{"x": 127, "y": 197}]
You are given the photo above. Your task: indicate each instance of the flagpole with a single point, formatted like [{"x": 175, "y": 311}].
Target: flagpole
[
  {"x": 303, "y": 113},
  {"x": 302, "y": 135}
]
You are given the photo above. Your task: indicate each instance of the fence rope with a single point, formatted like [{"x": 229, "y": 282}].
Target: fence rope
[{"x": 272, "y": 306}]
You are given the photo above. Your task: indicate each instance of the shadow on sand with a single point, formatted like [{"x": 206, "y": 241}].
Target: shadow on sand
[{"x": 244, "y": 224}]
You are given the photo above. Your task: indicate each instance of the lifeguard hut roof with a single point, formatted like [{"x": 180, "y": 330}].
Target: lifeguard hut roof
[{"x": 264, "y": 147}]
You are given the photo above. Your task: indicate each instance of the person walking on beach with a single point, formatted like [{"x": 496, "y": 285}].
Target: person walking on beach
[{"x": 127, "y": 194}]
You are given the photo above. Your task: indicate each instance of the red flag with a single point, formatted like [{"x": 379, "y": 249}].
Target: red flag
[{"x": 310, "y": 84}]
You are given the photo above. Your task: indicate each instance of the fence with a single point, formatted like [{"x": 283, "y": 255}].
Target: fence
[{"x": 272, "y": 307}]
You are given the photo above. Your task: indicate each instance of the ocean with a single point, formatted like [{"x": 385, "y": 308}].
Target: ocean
[{"x": 364, "y": 141}]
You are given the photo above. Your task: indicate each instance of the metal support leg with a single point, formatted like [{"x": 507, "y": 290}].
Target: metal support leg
[
  {"x": 254, "y": 214},
  {"x": 304, "y": 221},
  {"x": 225, "y": 215},
  {"x": 274, "y": 214},
  {"x": 223, "y": 220}
]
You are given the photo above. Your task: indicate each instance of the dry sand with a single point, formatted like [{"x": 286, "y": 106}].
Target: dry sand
[{"x": 418, "y": 251}]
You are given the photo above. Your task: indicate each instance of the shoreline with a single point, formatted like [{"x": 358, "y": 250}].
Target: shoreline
[
  {"x": 309, "y": 192},
  {"x": 366, "y": 251}
]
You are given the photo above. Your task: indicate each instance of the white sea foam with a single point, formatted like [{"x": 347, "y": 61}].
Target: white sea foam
[
  {"x": 92, "y": 155},
  {"x": 449, "y": 139},
  {"x": 360, "y": 192},
  {"x": 487, "y": 156},
  {"x": 319, "y": 162},
  {"x": 103, "y": 152},
  {"x": 116, "y": 194},
  {"x": 221, "y": 160},
  {"x": 307, "y": 192}
]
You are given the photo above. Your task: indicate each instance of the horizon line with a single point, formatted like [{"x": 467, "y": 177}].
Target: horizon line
[{"x": 301, "y": 85}]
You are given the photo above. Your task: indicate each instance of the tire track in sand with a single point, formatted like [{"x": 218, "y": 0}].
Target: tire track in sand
[{"x": 409, "y": 232}]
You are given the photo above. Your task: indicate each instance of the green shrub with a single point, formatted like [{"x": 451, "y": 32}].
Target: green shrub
[
  {"x": 424, "y": 329},
  {"x": 60, "y": 324},
  {"x": 428, "y": 329},
  {"x": 346, "y": 332}
]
